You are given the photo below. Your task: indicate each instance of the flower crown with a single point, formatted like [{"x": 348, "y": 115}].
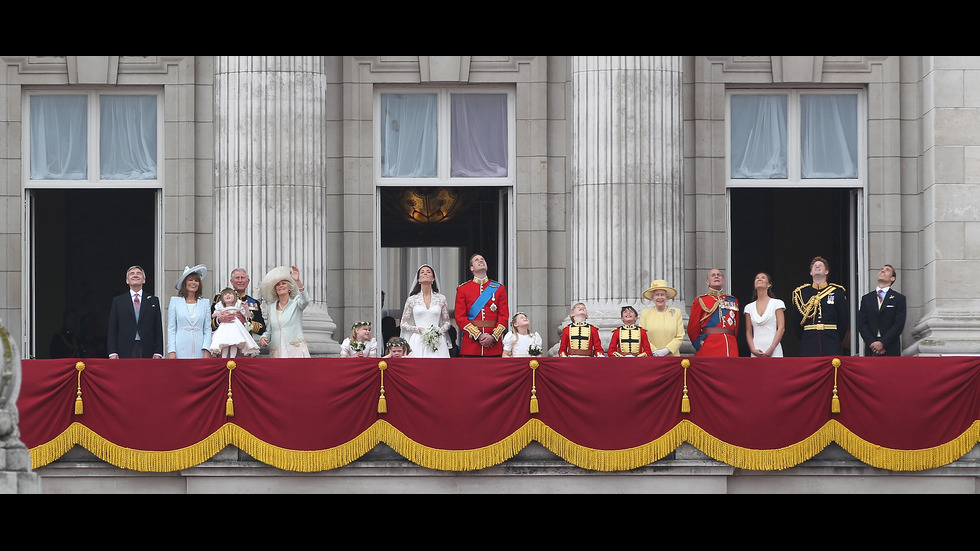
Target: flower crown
[
  {"x": 396, "y": 342},
  {"x": 360, "y": 323}
]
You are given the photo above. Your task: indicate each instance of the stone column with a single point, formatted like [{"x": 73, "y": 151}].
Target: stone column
[
  {"x": 16, "y": 476},
  {"x": 269, "y": 185},
  {"x": 626, "y": 188}
]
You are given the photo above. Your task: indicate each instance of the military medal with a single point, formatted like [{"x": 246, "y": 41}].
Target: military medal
[{"x": 493, "y": 307}]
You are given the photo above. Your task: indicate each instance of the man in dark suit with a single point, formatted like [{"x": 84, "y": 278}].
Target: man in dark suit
[
  {"x": 135, "y": 321},
  {"x": 881, "y": 317}
]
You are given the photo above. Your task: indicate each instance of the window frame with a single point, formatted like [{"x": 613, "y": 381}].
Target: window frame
[
  {"x": 444, "y": 161},
  {"x": 794, "y": 177},
  {"x": 93, "y": 145}
]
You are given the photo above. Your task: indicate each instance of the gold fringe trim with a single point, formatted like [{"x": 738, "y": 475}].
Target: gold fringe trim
[
  {"x": 757, "y": 460},
  {"x": 906, "y": 460},
  {"x": 457, "y": 460},
  {"x": 606, "y": 460},
  {"x": 498, "y": 452}
]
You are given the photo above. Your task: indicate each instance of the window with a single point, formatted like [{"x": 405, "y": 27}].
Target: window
[
  {"x": 796, "y": 138},
  {"x": 93, "y": 138},
  {"x": 448, "y": 136}
]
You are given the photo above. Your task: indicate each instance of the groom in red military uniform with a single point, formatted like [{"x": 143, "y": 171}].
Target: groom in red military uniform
[
  {"x": 714, "y": 320},
  {"x": 481, "y": 312}
]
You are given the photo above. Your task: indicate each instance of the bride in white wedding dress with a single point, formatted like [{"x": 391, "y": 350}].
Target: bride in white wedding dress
[{"x": 425, "y": 308}]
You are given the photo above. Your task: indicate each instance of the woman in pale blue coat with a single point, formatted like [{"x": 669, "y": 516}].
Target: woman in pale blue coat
[
  {"x": 189, "y": 317},
  {"x": 284, "y": 292}
]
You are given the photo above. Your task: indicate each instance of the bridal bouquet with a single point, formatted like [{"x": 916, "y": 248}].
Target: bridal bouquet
[
  {"x": 534, "y": 350},
  {"x": 432, "y": 337}
]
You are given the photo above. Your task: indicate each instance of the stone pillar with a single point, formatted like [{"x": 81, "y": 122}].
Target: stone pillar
[
  {"x": 626, "y": 188},
  {"x": 269, "y": 185},
  {"x": 947, "y": 224},
  {"x": 16, "y": 476}
]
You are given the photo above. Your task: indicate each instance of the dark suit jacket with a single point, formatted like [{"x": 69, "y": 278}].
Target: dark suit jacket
[
  {"x": 123, "y": 326},
  {"x": 889, "y": 320}
]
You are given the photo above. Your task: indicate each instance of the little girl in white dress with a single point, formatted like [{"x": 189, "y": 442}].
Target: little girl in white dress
[
  {"x": 232, "y": 337},
  {"x": 520, "y": 338},
  {"x": 359, "y": 344}
]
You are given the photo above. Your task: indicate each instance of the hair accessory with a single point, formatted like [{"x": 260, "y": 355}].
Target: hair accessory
[{"x": 360, "y": 323}]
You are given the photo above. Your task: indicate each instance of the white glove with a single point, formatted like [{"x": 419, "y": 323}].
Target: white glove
[{"x": 661, "y": 352}]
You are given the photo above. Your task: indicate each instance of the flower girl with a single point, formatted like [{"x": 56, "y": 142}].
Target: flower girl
[
  {"x": 520, "y": 341},
  {"x": 359, "y": 344},
  {"x": 232, "y": 337}
]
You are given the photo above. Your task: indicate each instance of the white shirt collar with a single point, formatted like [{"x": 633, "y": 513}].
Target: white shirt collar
[{"x": 885, "y": 289}]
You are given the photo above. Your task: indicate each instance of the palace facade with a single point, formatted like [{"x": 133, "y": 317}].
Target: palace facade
[{"x": 579, "y": 178}]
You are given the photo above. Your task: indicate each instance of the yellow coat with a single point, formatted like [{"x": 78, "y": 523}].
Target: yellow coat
[{"x": 664, "y": 329}]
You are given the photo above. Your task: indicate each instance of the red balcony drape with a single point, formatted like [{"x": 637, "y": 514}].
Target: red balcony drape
[{"x": 460, "y": 414}]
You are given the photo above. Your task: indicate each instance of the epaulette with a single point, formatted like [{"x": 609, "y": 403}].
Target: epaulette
[
  {"x": 839, "y": 286},
  {"x": 800, "y": 288}
]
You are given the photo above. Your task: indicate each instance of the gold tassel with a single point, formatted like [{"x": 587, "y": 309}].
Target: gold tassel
[
  {"x": 685, "y": 402},
  {"x": 534, "y": 390},
  {"x": 835, "y": 402},
  {"x": 230, "y": 404},
  {"x": 382, "y": 403},
  {"x": 79, "y": 407}
]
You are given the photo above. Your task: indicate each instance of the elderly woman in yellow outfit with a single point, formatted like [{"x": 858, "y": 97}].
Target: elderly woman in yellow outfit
[{"x": 664, "y": 324}]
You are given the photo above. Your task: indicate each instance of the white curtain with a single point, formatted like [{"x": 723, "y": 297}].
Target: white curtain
[
  {"x": 409, "y": 135},
  {"x": 479, "y": 135},
  {"x": 59, "y": 137},
  {"x": 128, "y": 143},
  {"x": 59, "y": 142},
  {"x": 828, "y": 136},
  {"x": 758, "y": 143}
]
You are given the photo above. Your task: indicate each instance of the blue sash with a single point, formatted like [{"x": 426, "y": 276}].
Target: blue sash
[{"x": 482, "y": 300}]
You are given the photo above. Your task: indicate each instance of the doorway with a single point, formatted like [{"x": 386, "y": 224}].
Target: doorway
[
  {"x": 778, "y": 231},
  {"x": 443, "y": 226},
  {"x": 83, "y": 242}
]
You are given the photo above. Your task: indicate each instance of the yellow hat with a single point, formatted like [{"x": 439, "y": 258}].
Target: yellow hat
[{"x": 659, "y": 285}]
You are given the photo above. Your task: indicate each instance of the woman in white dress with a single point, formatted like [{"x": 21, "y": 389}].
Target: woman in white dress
[
  {"x": 765, "y": 320},
  {"x": 520, "y": 337},
  {"x": 426, "y": 308}
]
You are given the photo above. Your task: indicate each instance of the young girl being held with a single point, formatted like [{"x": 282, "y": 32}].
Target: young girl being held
[
  {"x": 520, "y": 341},
  {"x": 231, "y": 337},
  {"x": 359, "y": 344}
]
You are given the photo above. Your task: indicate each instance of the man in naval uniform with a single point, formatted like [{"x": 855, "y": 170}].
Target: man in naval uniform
[
  {"x": 824, "y": 318},
  {"x": 714, "y": 320},
  {"x": 580, "y": 338},
  {"x": 239, "y": 282},
  {"x": 481, "y": 313},
  {"x": 629, "y": 340}
]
